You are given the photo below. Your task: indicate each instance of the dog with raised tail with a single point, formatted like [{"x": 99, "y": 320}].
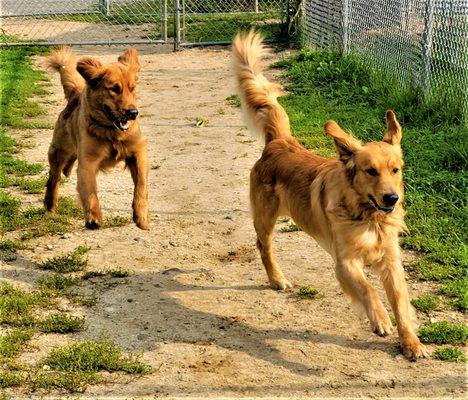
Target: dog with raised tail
[
  {"x": 351, "y": 205},
  {"x": 99, "y": 128}
]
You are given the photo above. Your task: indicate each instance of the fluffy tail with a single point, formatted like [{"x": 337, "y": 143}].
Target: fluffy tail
[
  {"x": 264, "y": 115},
  {"x": 63, "y": 61}
]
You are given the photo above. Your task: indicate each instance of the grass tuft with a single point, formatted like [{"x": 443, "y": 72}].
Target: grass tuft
[
  {"x": 93, "y": 356},
  {"x": 55, "y": 284},
  {"x": 62, "y": 323},
  {"x": 233, "y": 100},
  {"x": 426, "y": 303},
  {"x": 291, "y": 227},
  {"x": 13, "y": 342},
  {"x": 71, "y": 262},
  {"x": 443, "y": 333},
  {"x": 307, "y": 292},
  {"x": 10, "y": 379},
  {"x": 453, "y": 354}
]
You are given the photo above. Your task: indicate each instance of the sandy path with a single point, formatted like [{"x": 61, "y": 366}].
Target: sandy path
[{"x": 196, "y": 302}]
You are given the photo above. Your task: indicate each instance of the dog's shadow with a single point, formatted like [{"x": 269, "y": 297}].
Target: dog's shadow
[{"x": 147, "y": 309}]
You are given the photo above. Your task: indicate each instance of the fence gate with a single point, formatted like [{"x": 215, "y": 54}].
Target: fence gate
[
  {"x": 203, "y": 22},
  {"x": 52, "y": 22}
]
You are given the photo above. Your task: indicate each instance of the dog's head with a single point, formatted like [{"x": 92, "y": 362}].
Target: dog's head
[
  {"x": 374, "y": 169},
  {"x": 111, "y": 88}
]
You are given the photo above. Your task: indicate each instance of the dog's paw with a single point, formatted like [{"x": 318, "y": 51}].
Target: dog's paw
[
  {"x": 93, "y": 224},
  {"x": 382, "y": 325},
  {"x": 413, "y": 349},
  {"x": 280, "y": 284},
  {"x": 142, "y": 222}
]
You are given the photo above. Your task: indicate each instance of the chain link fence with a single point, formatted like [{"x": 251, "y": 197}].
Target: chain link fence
[
  {"x": 212, "y": 21},
  {"x": 424, "y": 42},
  {"x": 52, "y": 22},
  {"x": 184, "y": 22}
]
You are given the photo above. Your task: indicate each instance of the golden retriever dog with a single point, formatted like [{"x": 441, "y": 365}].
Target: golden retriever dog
[
  {"x": 352, "y": 206},
  {"x": 98, "y": 127}
]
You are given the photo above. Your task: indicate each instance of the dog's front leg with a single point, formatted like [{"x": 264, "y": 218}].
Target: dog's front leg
[
  {"x": 87, "y": 188},
  {"x": 138, "y": 166},
  {"x": 392, "y": 275},
  {"x": 353, "y": 282}
]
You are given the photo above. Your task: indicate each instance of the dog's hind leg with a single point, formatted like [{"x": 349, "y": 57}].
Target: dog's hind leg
[
  {"x": 265, "y": 212},
  {"x": 67, "y": 169},
  {"x": 57, "y": 160},
  {"x": 353, "y": 282}
]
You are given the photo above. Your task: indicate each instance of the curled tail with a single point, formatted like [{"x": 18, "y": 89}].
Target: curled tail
[
  {"x": 258, "y": 96},
  {"x": 63, "y": 61}
]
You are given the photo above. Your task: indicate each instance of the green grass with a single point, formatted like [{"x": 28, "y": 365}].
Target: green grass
[
  {"x": 76, "y": 382},
  {"x": 93, "y": 356},
  {"x": 325, "y": 85},
  {"x": 426, "y": 303},
  {"x": 307, "y": 292},
  {"x": 9, "y": 379},
  {"x": 453, "y": 354},
  {"x": 233, "y": 100},
  {"x": 290, "y": 227},
  {"x": 119, "y": 273},
  {"x": 443, "y": 333},
  {"x": 70, "y": 262},
  {"x": 55, "y": 284},
  {"x": 62, "y": 323},
  {"x": 114, "y": 221},
  {"x": 13, "y": 342},
  {"x": 17, "y": 305}
]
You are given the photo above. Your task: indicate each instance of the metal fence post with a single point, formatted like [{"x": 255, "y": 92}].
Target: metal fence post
[
  {"x": 256, "y": 5},
  {"x": 427, "y": 45},
  {"x": 105, "y": 7},
  {"x": 164, "y": 21},
  {"x": 176, "y": 25},
  {"x": 345, "y": 28}
]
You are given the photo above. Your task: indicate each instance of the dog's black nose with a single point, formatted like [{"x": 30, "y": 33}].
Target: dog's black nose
[
  {"x": 131, "y": 113},
  {"x": 390, "y": 199}
]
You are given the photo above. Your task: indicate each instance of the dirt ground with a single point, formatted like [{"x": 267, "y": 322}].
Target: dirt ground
[{"x": 196, "y": 302}]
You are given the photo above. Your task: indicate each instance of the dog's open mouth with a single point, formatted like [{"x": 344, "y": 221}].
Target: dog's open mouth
[
  {"x": 122, "y": 124},
  {"x": 376, "y": 205}
]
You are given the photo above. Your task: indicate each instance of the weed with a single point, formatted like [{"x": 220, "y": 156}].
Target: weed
[
  {"x": 13, "y": 342},
  {"x": 62, "y": 323},
  {"x": 453, "y": 354},
  {"x": 116, "y": 221},
  {"x": 443, "y": 333},
  {"x": 307, "y": 292},
  {"x": 457, "y": 290},
  {"x": 119, "y": 273},
  {"x": 291, "y": 227},
  {"x": 426, "y": 303},
  {"x": 93, "y": 274},
  {"x": 93, "y": 356},
  {"x": 71, "y": 262},
  {"x": 55, "y": 284},
  {"x": 69, "y": 381},
  {"x": 10, "y": 379},
  {"x": 233, "y": 100},
  {"x": 12, "y": 245}
]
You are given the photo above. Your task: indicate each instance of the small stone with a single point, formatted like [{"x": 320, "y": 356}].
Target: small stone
[
  {"x": 49, "y": 247},
  {"x": 432, "y": 320},
  {"x": 129, "y": 300},
  {"x": 399, "y": 357},
  {"x": 46, "y": 367},
  {"x": 230, "y": 217},
  {"x": 66, "y": 236}
]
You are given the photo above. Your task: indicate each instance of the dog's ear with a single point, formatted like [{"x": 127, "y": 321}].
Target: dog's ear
[
  {"x": 346, "y": 144},
  {"x": 393, "y": 133},
  {"x": 91, "y": 70},
  {"x": 130, "y": 59}
]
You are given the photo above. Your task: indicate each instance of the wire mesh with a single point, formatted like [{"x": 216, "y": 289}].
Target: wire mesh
[
  {"x": 83, "y": 22},
  {"x": 419, "y": 41},
  {"x": 209, "y": 21}
]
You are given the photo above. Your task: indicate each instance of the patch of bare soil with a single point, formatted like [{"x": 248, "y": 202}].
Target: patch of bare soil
[{"x": 196, "y": 302}]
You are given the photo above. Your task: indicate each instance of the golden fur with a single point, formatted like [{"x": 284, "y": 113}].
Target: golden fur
[
  {"x": 340, "y": 202},
  {"x": 99, "y": 127}
]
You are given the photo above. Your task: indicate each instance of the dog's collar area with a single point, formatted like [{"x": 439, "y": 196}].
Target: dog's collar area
[{"x": 376, "y": 205}]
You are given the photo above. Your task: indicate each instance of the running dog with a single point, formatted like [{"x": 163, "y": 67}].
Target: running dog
[
  {"x": 352, "y": 206},
  {"x": 99, "y": 127}
]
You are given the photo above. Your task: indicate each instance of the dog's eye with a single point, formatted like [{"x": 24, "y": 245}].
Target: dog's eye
[
  {"x": 395, "y": 170},
  {"x": 116, "y": 89},
  {"x": 372, "y": 171}
]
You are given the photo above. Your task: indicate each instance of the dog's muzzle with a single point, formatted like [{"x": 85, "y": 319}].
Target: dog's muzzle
[
  {"x": 121, "y": 123},
  {"x": 376, "y": 205}
]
